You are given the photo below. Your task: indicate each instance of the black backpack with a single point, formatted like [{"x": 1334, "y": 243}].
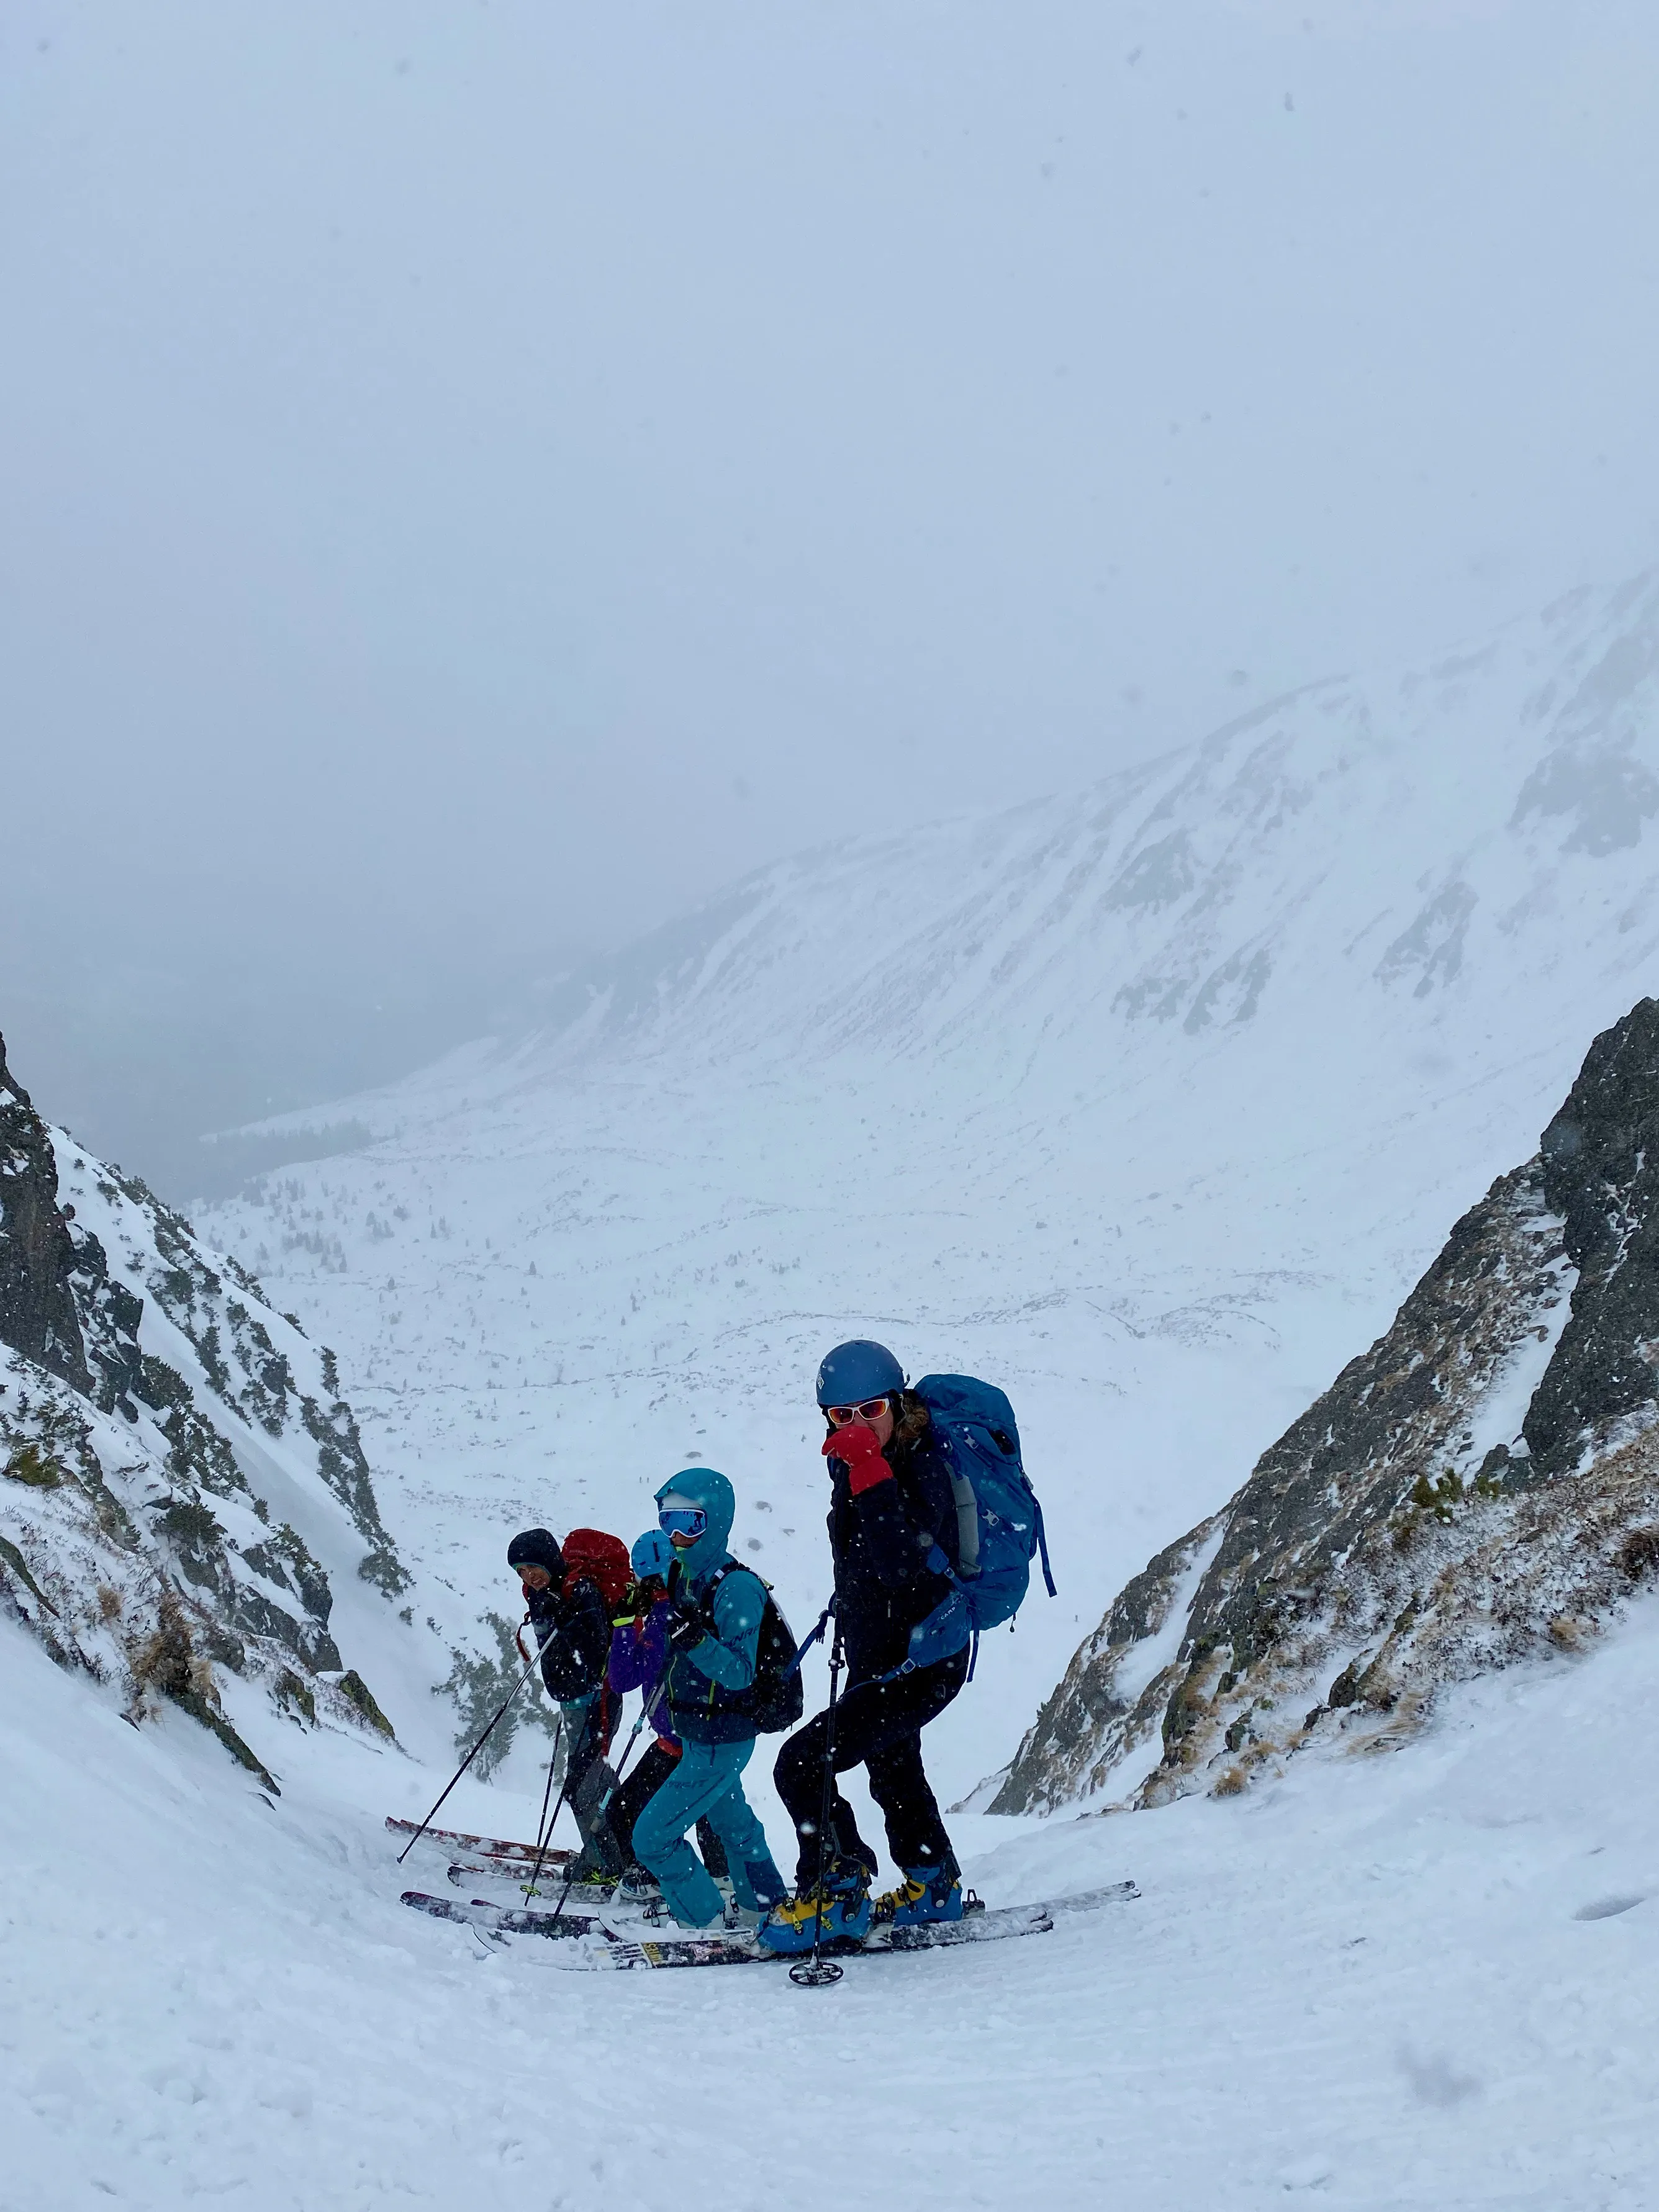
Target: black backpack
[{"x": 775, "y": 1699}]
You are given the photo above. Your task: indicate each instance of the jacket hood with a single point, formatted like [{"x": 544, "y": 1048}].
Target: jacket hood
[
  {"x": 537, "y": 1547},
  {"x": 708, "y": 1487}
]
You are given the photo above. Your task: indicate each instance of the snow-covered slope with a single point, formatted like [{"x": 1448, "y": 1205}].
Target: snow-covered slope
[
  {"x": 1150, "y": 1102},
  {"x": 1423, "y": 1984}
]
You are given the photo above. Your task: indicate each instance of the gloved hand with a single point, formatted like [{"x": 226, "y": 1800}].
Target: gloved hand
[
  {"x": 687, "y": 1626},
  {"x": 856, "y": 1447},
  {"x": 638, "y": 1599}
]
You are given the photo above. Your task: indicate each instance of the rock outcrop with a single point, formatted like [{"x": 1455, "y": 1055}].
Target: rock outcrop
[
  {"x": 1481, "y": 1487},
  {"x": 152, "y": 1407},
  {"x": 37, "y": 1253}
]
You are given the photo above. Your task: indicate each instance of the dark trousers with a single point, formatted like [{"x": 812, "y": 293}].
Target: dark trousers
[
  {"x": 877, "y": 1727},
  {"x": 588, "y": 1781},
  {"x": 642, "y": 1784}
]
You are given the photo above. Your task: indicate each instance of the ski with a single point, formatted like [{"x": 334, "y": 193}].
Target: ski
[
  {"x": 497, "y": 1920},
  {"x": 464, "y": 1871},
  {"x": 744, "y": 1950},
  {"x": 1091, "y": 1900},
  {"x": 621, "y": 1946},
  {"x": 492, "y": 1847},
  {"x": 621, "y": 1953}
]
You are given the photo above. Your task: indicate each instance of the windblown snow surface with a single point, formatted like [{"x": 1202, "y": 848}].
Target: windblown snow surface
[
  {"x": 1148, "y": 1103},
  {"x": 1430, "y": 1980}
]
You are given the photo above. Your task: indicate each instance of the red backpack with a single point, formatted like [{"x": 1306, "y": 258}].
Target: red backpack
[{"x": 589, "y": 1553}]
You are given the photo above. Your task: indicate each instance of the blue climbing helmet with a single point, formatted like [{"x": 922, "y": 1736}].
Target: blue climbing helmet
[
  {"x": 856, "y": 1370},
  {"x": 653, "y": 1554}
]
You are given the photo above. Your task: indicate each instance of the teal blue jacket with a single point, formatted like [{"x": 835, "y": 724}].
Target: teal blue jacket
[{"x": 706, "y": 1684}]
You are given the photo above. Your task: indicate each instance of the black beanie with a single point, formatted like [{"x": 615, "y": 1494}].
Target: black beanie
[{"x": 537, "y": 1547}]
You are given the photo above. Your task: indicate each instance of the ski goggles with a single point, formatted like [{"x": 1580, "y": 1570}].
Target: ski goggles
[
  {"x": 870, "y": 1410},
  {"x": 682, "y": 1520}
]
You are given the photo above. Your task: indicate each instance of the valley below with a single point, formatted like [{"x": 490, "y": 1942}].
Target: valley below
[{"x": 1152, "y": 1104}]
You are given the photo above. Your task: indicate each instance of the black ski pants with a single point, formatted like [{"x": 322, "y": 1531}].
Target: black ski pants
[
  {"x": 642, "y": 1784},
  {"x": 588, "y": 1782},
  {"x": 877, "y": 1727}
]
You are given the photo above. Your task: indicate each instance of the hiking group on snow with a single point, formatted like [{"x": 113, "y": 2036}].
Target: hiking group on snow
[{"x": 933, "y": 1527}]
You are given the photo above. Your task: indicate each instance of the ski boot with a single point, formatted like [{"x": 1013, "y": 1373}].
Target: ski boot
[
  {"x": 926, "y": 1893},
  {"x": 793, "y": 1926},
  {"x": 639, "y": 1886},
  {"x": 766, "y": 1886}
]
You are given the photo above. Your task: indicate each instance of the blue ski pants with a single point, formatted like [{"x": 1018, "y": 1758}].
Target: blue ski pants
[{"x": 706, "y": 1784}]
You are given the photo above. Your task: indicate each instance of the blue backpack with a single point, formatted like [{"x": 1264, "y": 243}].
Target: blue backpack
[{"x": 998, "y": 1519}]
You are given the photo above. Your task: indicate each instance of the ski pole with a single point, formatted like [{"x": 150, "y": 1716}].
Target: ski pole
[
  {"x": 648, "y": 1699},
  {"x": 576, "y": 1753},
  {"x": 476, "y": 1749},
  {"x": 544, "y": 1825},
  {"x": 817, "y": 1971},
  {"x": 545, "y": 1836},
  {"x": 604, "y": 1805}
]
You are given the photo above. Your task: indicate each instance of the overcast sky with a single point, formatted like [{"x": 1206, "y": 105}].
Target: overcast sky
[{"x": 477, "y": 476}]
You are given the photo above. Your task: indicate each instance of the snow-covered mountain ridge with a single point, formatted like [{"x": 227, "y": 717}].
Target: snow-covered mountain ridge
[
  {"x": 1400, "y": 830},
  {"x": 1147, "y": 1101}
]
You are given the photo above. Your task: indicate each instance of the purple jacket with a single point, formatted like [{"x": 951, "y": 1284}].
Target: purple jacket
[{"x": 639, "y": 1654}]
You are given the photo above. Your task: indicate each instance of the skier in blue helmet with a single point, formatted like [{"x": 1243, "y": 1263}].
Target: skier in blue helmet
[
  {"x": 715, "y": 1607},
  {"x": 639, "y": 1661},
  {"x": 890, "y": 1503}
]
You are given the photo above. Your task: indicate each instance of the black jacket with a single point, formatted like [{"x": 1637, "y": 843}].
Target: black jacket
[
  {"x": 574, "y": 1662},
  {"x": 880, "y": 1542}
]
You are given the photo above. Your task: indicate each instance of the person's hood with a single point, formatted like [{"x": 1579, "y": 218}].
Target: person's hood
[
  {"x": 537, "y": 1547},
  {"x": 708, "y": 1487}
]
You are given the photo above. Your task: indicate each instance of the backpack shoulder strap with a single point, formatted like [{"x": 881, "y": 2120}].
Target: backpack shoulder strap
[
  {"x": 710, "y": 1589},
  {"x": 733, "y": 1567}
]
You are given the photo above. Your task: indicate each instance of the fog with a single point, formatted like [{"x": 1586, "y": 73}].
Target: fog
[{"x": 476, "y": 477}]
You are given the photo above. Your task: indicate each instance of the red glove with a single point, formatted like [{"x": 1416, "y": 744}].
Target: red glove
[{"x": 855, "y": 1446}]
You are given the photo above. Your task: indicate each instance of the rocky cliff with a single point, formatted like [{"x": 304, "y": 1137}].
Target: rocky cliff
[
  {"x": 180, "y": 1481},
  {"x": 37, "y": 1254},
  {"x": 1481, "y": 1486}
]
